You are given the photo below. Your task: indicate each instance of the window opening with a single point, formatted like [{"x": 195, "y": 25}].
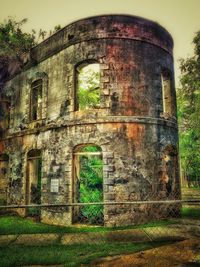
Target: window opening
[
  {"x": 167, "y": 92},
  {"x": 36, "y": 100},
  {"x": 87, "y": 87}
]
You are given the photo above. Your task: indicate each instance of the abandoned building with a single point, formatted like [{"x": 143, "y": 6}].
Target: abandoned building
[{"x": 99, "y": 90}]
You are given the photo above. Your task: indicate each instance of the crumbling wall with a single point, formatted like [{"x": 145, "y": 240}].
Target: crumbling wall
[{"x": 130, "y": 125}]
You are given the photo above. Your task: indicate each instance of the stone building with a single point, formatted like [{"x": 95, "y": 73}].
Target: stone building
[{"x": 132, "y": 125}]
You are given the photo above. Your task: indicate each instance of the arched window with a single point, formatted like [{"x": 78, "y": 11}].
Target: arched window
[
  {"x": 36, "y": 100},
  {"x": 88, "y": 183},
  {"x": 87, "y": 86},
  {"x": 167, "y": 93}
]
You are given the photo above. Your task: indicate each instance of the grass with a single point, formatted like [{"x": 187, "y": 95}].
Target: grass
[
  {"x": 18, "y": 225},
  {"x": 190, "y": 213},
  {"x": 71, "y": 256},
  {"x": 12, "y": 224}
]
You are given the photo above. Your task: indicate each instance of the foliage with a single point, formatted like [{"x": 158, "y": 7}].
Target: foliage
[
  {"x": 188, "y": 212},
  {"x": 15, "y": 44},
  {"x": 88, "y": 87},
  {"x": 188, "y": 97},
  {"x": 91, "y": 182},
  {"x": 14, "y": 41}
]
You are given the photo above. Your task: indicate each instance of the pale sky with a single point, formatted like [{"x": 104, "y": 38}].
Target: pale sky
[{"x": 180, "y": 17}]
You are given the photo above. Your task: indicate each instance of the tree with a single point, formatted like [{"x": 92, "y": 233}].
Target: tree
[
  {"x": 15, "y": 45},
  {"x": 88, "y": 87},
  {"x": 188, "y": 97},
  {"x": 14, "y": 41}
]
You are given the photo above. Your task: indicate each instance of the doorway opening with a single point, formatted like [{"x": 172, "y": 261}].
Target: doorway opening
[
  {"x": 88, "y": 184},
  {"x": 33, "y": 181}
]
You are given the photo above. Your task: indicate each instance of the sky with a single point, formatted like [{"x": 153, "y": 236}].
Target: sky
[{"x": 180, "y": 17}]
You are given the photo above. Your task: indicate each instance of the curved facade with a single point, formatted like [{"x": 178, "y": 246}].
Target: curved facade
[{"x": 134, "y": 122}]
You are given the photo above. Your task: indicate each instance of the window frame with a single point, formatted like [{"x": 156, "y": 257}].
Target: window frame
[
  {"x": 167, "y": 92},
  {"x": 38, "y": 106},
  {"x": 78, "y": 67}
]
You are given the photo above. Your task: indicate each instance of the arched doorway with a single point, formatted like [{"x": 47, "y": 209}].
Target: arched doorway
[
  {"x": 33, "y": 179},
  {"x": 88, "y": 184}
]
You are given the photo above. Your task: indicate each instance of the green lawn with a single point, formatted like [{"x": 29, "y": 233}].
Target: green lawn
[
  {"x": 12, "y": 224},
  {"x": 71, "y": 256},
  {"x": 18, "y": 225},
  {"x": 190, "y": 213}
]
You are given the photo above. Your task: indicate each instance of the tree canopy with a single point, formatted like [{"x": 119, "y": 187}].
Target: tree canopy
[
  {"x": 188, "y": 96},
  {"x": 13, "y": 41}
]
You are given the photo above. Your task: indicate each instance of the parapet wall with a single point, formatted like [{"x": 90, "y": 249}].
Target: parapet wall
[{"x": 104, "y": 27}]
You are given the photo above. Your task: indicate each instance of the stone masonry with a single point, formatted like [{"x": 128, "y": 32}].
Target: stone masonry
[{"x": 135, "y": 124}]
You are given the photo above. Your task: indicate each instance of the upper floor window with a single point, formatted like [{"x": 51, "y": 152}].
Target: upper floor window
[
  {"x": 87, "y": 86},
  {"x": 167, "y": 92},
  {"x": 36, "y": 100}
]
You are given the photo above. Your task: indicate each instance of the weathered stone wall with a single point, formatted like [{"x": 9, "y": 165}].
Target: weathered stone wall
[{"x": 130, "y": 126}]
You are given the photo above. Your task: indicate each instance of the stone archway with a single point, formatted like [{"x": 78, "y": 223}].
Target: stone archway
[{"x": 88, "y": 184}]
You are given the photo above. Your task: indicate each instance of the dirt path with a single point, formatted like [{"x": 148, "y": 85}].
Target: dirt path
[{"x": 182, "y": 254}]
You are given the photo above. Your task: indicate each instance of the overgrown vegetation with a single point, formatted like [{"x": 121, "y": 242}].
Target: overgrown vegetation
[
  {"x": 15, "y": 44},
  {"x": 91, "y": 185},
  {"x": 15, "y": 41},
  {"x": 188, "y": 96},
  {"x": 88, "y": 93}
]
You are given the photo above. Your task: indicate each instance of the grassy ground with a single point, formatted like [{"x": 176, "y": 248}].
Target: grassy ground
[
  {"x": 190, "y": 213},
  {"x": 71, "y": 256},
  {"x": 19, "y": 225}
]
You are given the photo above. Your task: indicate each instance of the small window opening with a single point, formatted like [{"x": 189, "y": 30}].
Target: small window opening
[
  {"x": 88, "y": 184},
  {"x": 36, "y": 100},
  {"x": 87, "y": 87},
  {"x": 167, "y": 92}
]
